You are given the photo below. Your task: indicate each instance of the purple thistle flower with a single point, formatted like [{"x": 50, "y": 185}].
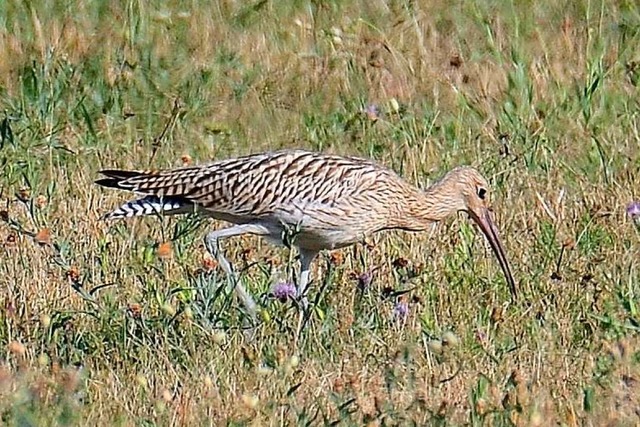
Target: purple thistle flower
[
  {"x": 481, "y": 336},
  {"x": 401, "y": 310},
  {"x": 364, "y": 281},
  {"x": 284, "y": 291},
  {"x": 633, "y": 210},
  {"x": 372, "y": 111}
]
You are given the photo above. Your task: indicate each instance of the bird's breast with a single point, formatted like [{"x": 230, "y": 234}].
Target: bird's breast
[{"x": 315, "y": 229}]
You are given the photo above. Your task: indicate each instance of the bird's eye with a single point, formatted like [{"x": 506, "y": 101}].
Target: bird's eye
[{"x": 482, "y": 192}]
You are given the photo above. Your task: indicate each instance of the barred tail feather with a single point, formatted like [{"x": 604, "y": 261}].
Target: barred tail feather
[{"x": 151, "y": 205}]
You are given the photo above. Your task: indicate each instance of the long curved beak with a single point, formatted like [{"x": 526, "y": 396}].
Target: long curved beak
[{"x": 488, "y": 227}]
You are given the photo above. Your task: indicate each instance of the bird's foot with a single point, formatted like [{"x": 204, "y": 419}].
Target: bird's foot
[
  {"x": 211, "y": 243},
  {"x": 249, "y": 328},
  {"x": 303, "y": 303},
  {"x": 304, "y": 315}
]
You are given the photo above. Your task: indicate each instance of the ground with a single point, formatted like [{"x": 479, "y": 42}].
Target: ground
[{"x": 130, "y": 323}]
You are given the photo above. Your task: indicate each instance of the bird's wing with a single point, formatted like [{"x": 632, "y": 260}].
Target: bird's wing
[{"x": 256, "y": 185}]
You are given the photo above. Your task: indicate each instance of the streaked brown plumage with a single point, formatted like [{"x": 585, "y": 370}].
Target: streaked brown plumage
[{"x": 331, "y": 201}]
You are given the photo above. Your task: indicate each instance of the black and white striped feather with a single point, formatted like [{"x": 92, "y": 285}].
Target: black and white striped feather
[{"x": 151, "y": 205}]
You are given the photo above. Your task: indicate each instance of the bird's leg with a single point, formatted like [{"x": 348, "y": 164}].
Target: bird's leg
[
  {"x": 212, "y": 243},
  {"x": 306, "y": 258}
]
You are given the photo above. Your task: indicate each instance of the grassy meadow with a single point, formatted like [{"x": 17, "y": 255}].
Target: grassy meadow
[{"x": 130, "y": 322}]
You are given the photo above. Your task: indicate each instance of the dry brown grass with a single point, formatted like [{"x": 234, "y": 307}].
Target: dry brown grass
[{"x": 504, "y": 87}]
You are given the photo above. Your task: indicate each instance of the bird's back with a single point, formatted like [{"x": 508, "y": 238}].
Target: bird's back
[{"x": 322, "y": 193}]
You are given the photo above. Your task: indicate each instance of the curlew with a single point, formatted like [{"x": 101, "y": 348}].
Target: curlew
[{"x": 330, "y": 201}]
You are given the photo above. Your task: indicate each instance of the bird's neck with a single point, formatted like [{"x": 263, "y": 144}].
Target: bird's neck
[{"x": 424, "y": 207}]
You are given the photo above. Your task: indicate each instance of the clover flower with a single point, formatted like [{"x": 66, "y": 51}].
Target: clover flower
[
  {"x": 401, "y": 311},
  {"x": 284, "y": 291},
  {"x": 633, "y": 210}
]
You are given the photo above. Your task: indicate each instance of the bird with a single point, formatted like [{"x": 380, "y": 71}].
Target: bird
[{"x": 322, "y": 201}]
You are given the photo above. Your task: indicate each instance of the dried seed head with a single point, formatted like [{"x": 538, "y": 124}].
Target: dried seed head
[
  {"x": 208, "y": 263},
  {"x": 497, "y": 314},
  {"x": 353, "y": 381},
  {"x": 516, "y": 377},
  {"x": 250, "y": 401},
  {"x": 455, "y": 61},
  {"x": 294, "y": 361},
  {"x": 450, "y": 339},
  {"x": 142, "y": 381},
  {"x": 135, "y": 310},
  {"x": 208, "y": 381},
  {"x": 394, "y": 105},
  {"x": 369, "y": 243},
  {"x": 41, "y": 201},
  {"x": 514, "y": 416},
  {"x": 494, "y": 393},
  {"x": 169, "y": 309},
  {"x": 435, "y": 346},
  {"x": 166, "y": 396},
  {"x": 5, "y": 376},
  {"x": 568, "y": 243},
  {"x": 442, "y": 409},
  {"x": 482, "y": 406},
  {"x": 17, "y": 348},
  {"x": 247, "y": 253},
  {"x": 291, "y": 364},
  {"x": 71, "y": 380},
  {"x": 164, "y": 251},
  {"x": 375, "y": 59},
  {"x": 45, "y": 320},
  {"x": 509, "y": 399},
  {"x": 263, "y": 370},
  {"x": 219, "y": 337},
  {"x": 12, "y": 241},
  {"x": 522, "y": 395},
  {"x": 111, "y": 75},
  {"x": 9, "y": 307},
  {"x": 43, "y": 360},
  {"x": 536, "y": 419},
  {"x": 400, "y": 262},
  {"x": 24, "y": 194},
  {"x": 73, "y": 274},
  {"x": 336, "y": 258},
  {"x": 338, "y": 385},
  {"x": 265, "y": 315},
  {"x": 43, "y": 237}
]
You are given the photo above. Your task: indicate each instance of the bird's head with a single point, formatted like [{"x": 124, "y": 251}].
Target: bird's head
[{"x": 470, "y": 193}]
